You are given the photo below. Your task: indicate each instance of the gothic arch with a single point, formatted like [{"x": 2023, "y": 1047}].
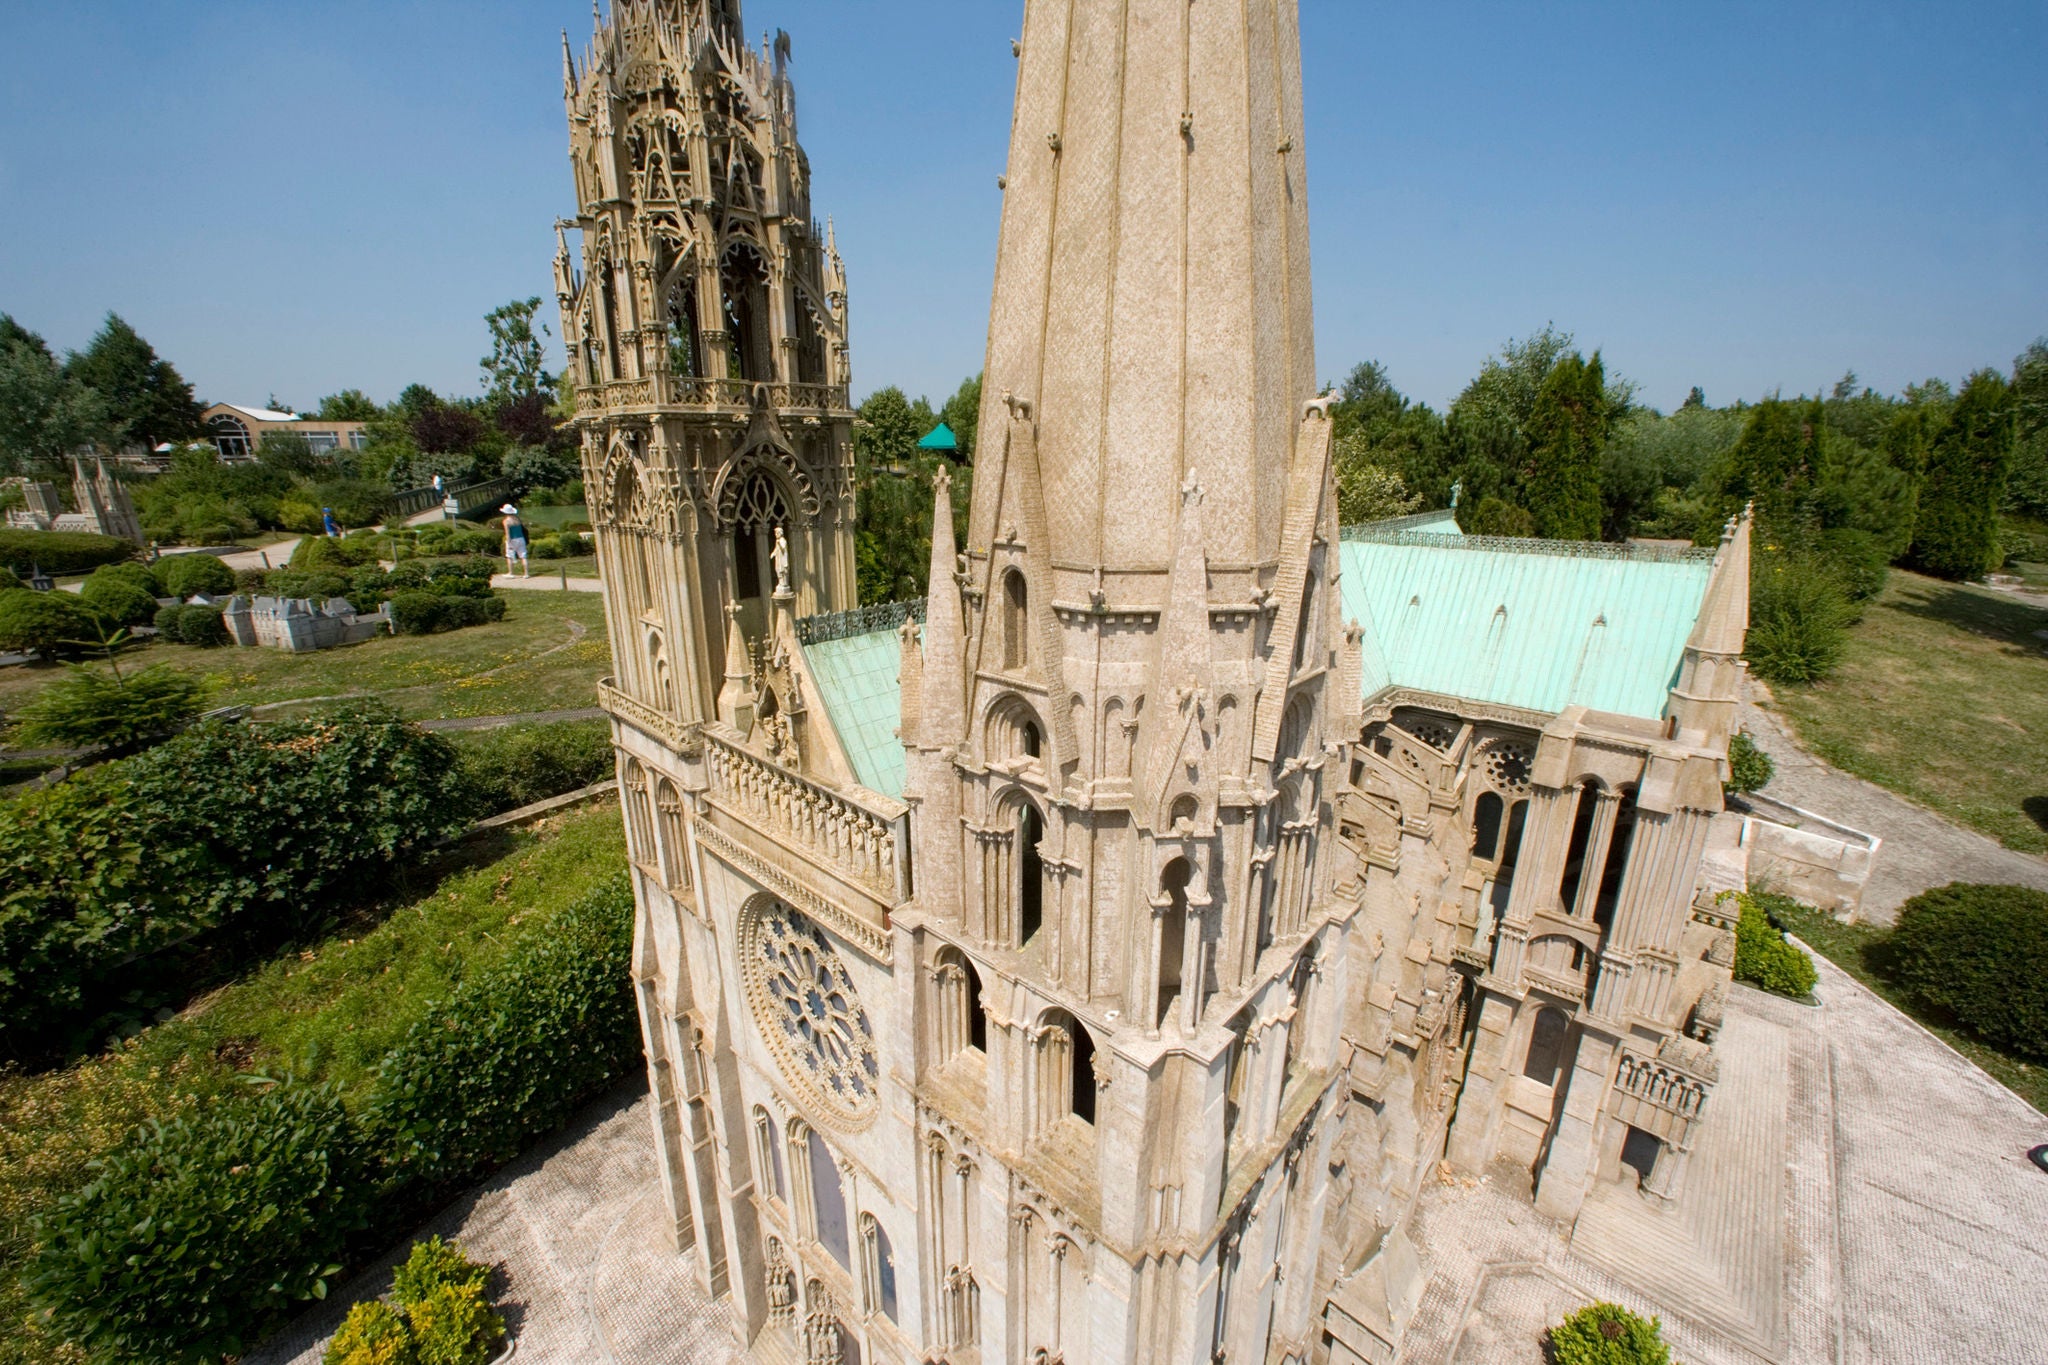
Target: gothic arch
[
  {"x": 772, "y": 461},
  {"x": 1011, "y": 729}
]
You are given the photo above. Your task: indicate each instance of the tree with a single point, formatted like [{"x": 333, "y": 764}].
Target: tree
[
  {"x": 516, "y": 366},
  {"x": 1777, "y": 461},
  {"x": 1956, "y": 532},
  {"x": 892, "y": 536},
  {"x": 350, "y": 405},
  {"x": 148, "y": 401},
  {"x": 438, "y": 426},
  {"x": 962, "y": 412},
  {"x": 1566, "y": 430},
  {"x": 45, "y": 413},
  {"x": 2026, "y": 486}
]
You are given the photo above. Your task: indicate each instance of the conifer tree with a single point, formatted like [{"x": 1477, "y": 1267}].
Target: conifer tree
[
  {"x": 1956, "y": 532},
  {"x": 150, "y": 402},
  {"x": 1567, "y": 429},
  {"x": 1778, "y": 460}
]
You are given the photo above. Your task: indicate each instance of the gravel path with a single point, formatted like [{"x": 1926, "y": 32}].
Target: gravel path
[{"x": 1921, "y": 849}]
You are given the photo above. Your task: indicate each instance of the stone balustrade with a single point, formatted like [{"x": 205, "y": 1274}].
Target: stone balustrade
[
  {"x": 647, "y": 719},
  {"x": 688, "y": 390},
  {"x": 1659, "y": 1084},
  {"x": 861, "y": 840}
]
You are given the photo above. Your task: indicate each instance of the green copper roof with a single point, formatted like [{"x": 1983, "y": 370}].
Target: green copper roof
[
  {"x": 1536, "y": 624},
  {"x": 940, "y": 437},
  {"x": 857, "y": 674}
]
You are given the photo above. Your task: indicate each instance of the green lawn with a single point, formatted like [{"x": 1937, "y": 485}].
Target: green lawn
[
  {"x": 327, "y": 1013},
  {"x": 1858, "y": 949},
  {"x": 532, "y": 660},
  {"x": 1942, "y": 696}
]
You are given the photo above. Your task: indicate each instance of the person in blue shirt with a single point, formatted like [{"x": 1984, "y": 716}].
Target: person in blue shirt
[
  {"x": 327, "y": 520},
  {"x": 515, "y": 540}
]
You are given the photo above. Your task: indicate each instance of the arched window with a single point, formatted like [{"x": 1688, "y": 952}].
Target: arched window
[
  {"x": 1546, "y": 1046},
  {"x": 1616, "y": 864},
  {"x": 1297, "y": 995},
  {"x": 879, "y": 1265},
  {"x": 1306, "y": 626},
  {"x": 758, "y": 510},
  {"x": 744, "y": 276},
  {"x": 828, "y": 1200},
  {"x": 675, "y": 862},
  {"x": 1030, "y": 873},
  {"x": 1173, "y": 928},
  {"x": 1016, "y": 626},
  {"x": 1028, "y": 739},
  {"x": 1486, "y": 821},
  {"x": 960, "y": 1023},
  {"x": 769, "y": 1155},
  {"x": 230, "y": 437},
  {"x": 1575, "y": 852},
  {"x": 639, "y": 813},
  {"x": 1066, "y": 1070},
  {"x": 1083, "y": 1105},
  {"x": 1013, "y": 731},
  {"x": 685, "y": 359}
]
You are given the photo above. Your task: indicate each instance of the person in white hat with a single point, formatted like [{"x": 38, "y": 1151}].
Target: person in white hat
[{"x": 515, "y": 540}]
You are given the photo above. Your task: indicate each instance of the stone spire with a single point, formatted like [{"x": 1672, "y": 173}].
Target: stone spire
[
  {"x": 1152, "y": 286},
  {"x": 1723, "y": 622},
  {"x": 942, "y": 703},
  {"x": 1702, "y": 705}
]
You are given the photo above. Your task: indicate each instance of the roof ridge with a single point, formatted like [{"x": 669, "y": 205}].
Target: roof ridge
[
  {"x": 838, "y": 625},
  {"x": 1373, "y": 533}
]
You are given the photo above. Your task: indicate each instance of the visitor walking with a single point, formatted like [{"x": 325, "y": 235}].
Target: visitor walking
[
  {"x": 327, "y": 521},
  {"x": 515, "y": 541}
]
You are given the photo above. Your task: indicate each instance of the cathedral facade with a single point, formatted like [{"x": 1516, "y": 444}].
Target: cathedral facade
[{"x": 1090, "y": 962}]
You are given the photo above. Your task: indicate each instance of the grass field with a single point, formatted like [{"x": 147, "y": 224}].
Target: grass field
[
  {"x": 1858, "y": 949},
  {"x": 326, "y": 1013},
  {"x": 1942, "y": 696},
  {"x": 533, "y": 660}
]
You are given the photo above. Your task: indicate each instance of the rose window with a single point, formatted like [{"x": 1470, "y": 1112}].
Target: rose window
[
  {"x": 805, "y": 1005},
  {"x": 1507, "y": 767}
]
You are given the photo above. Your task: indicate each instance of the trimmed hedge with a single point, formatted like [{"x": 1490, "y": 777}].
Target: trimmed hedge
[
  {"x": 191, "y": 575},
  {"x": 510, "y": 767},
  {"x": 511, "y": 1052},
  {"x": 1763, "y": 957},
  {"x": 1608, "y": 1334},
  {"x": 118, "y": 600},
  {"x": 425, "y": 611},
  {"x": 106, "y": 872},
  {"x": 1979, "y": 954},
  {"x": 202, "y": 626},
  {"x": 206, "y": 1231},
  {"x": 45, "y": 623},
  {"x": 59, "y": 552}
]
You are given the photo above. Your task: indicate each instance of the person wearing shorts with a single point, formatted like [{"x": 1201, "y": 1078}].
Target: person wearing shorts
[{"x": 515, "y": 541}]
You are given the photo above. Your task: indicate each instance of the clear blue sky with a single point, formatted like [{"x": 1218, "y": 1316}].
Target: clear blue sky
[{"x": 296, "y": 198}]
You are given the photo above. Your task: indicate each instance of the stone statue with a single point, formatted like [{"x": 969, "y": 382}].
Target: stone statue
[{"x": 780, "y": 557}]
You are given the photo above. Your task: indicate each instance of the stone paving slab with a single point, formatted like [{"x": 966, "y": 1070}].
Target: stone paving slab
[{"x": 584, "y": 1274}]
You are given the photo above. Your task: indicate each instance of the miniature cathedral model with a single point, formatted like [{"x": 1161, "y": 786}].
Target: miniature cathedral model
[{"x": 1089, "y": 962}]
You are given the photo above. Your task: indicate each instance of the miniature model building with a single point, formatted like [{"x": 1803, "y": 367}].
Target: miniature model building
[
  {"x": 104, "y": 507},
  {"x": 1089, "y": 962}
]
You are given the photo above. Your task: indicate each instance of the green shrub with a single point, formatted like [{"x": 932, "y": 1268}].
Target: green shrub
[
  {"x": 57, "y": 552},
  {"x": 431, "y": 1264},
  {"x": 1979, "y": 953},
  {"x": 10, "y": 581},
  {"x": 1608, "y": 1334},
  {"x": 317, "y": 585},
  {"x": 1762, "y": 956},
  {"x": 202, "y": 626},
  {"x": 252, "y": 582},
  {"x": 1749, "y": 767},
  {"x": 118, "y": 600},
  {"x": 519, "y": 764},
  {"x": 108, "y": 870},
  {"x": 1859, "y": 561},
  {"x": 511, "y": 1052},
  {"x": 166, "y": 622},
  {"x": 45, "y": 623},
  {"x": 191, "y": 575},
  {"x": 455, "y": 1325},
  {"x": 373, "y": 1333},
  {"x": 95, "y": 708},
  {"x": 417, "y": 611},
  {"x": 141, "y": 575},
  {"x": 1798, "y": 619},
  {"x": 204, "y": 1232},
  {"x": 470, "y": 575},
  {"x": 323, "y": 552}
]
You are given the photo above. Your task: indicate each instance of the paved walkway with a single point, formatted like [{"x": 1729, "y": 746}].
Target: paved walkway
[
  {"x": 584, "y": 1277},
  {"x": 1860, "y": 1194},
  {"x": 1921, "y": 849},
  {"x": 543, "y": 581}
]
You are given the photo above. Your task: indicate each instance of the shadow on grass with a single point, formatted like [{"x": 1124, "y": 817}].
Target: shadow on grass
[
  {"x": 2036, "y": 809},
  {"x": 1980, "y": 613}
]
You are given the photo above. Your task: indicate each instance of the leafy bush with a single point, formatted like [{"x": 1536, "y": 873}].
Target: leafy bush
[
  {"x": 322, "y": 552},
  {"x": 318, "y": 584},
  {"x": 373, "y": 1333},
  {"x": 166, "y": 622},
  {"x": 1608, "y": 1334},
  {"x": 1749, "y": 767},
  {"x": 418, "y": 612},
  {"x": 469, "y": 576},
  {"x": 205, "y": 1231},
  {"x": 1979, "y": 953},
  {"x": 252, "y": 581},
  {"x": 128, "y": 860},
  {"x": 191, "y": 575},
  {"x": 1798, "y": 619},
  {"x": 1763, "y": 958},
  {"x": 45, "y": 623},
  {"x": 118, "y": 600},
  {"x": 511, "y": 1051},
  {"x": 454, "y": 1325},
  {"x": 518, "y": 764},
  {"x": 430, "y": 1265},
  {"x": 141, "y": 575},
  {"x": 57, "y": 552},
  {"x": 451, "y": 604},
  {"x": 202, "y": 626},
  {"x": 93, "y": 709}
]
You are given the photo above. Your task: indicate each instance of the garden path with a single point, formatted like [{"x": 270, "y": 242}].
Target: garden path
[{"x": 1921, "y": 849}]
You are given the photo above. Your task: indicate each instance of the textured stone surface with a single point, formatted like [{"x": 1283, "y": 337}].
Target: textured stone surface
[{"x": 574, "y": 1230}]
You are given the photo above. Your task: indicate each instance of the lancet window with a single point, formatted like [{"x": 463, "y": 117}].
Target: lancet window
[
  {"x": 1173, "y": 934},
  {"x": 958, "y": 1020},
  {"x": 1546, "y": 1046},
  {"x": 1016, "y": 623},
  {"x": 1065, "y": 1070},
  {"x": 768, "y": 1156},
  {"x": 675, "y": 862},
  {"x": 878, "y": 1265}
]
